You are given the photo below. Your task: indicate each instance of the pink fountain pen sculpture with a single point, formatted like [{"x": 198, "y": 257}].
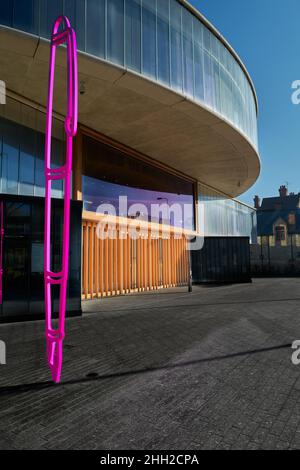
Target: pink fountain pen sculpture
[{"x": 55, "y": 337}]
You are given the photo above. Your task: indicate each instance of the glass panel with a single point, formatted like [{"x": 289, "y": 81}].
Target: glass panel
[
  {"x": 27, "y": 159},
  {"x": 176, "y": 46},
  {"x": 206, "y": 39},
  {"x": 6, "y": 13},
  {"x": 49, "y": 11},
  {"x": 80, "y": 24},
  {"x": 10, "y": 159},
  {"x": 198, "y": 60},
  {"x": 54, "y": 10},
  {"x": 209, "y": 82},
  {"x": 216, "y": 80},
  {"x": 133, "y": 34},
  {"x": 15, "y": 279},
  {"x": 226, "y": 217},
  {"x": 163, "y": 45},
  {"x": 188, "y": 72},
  {"x": 215, "y": 47},
  {"x": 24, "y": 15},
  {"x": 16, "y": 260},
  {"x": 70, "y": 10},
  {"x": 115, "y": 31},
  {"x": 95, "y": 32},
  {"x": 57, "y": 161},
  {"x": 149, "y": 37},
  {"x": 39, "y": 177}
]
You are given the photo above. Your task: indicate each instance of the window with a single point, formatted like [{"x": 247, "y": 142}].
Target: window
[
  {"x": 280, "y": 233},
  {"x": 110, "y": 173},
  {"x": 292, "y": 219}
]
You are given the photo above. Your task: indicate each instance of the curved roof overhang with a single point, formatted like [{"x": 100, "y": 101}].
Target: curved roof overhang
[{"x": 137, "y": 112}]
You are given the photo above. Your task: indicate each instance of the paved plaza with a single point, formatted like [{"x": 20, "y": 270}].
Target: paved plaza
[{"x": 168, "y": 370}]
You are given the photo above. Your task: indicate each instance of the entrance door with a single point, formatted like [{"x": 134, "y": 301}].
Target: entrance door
[{"x": 23, "y": 257}]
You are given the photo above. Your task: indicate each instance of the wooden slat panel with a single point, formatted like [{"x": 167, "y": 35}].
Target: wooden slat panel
[
  {"x": 86, "y": 261},
  {"x": 91, "y": 259},
  {"x": 110, "y": 265},
  {"x": 116, "y": 272},
  {"x": 177, "y": 262},
  {"x": 97, "y": 264},
  {"x": 155, "y": 263},
  {"x": 138, "y": 263},
  {"x": 181, "y": 261},
  {"x": 129, "y": 263},
  {"x": 101, "y": 267},
  {"x": 149, "y": 250},
  {"x": 106, "y": 266},
  {"x": 116, "y": 266},
  {"x": 144, "y": 262},
  {"x": 120, "y": 264},
  {"x": 125, "y": 267}
]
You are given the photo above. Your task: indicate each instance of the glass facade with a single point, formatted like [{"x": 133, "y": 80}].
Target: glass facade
[
  {"x": 109, "y": 174},
  {"x": 160, "y": 39},
  {"x": 22, "y": 143},
  {"x": 223, "y": 216}
]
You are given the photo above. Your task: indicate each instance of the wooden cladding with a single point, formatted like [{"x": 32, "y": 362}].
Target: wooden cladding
[{"x": 122, "y": 265}]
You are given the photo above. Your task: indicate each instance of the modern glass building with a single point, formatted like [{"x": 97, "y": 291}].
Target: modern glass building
[{"x": 167, "y": 117}]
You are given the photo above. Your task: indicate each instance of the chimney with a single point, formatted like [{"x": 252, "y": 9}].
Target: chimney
[
  {"x": 257, "y": 202},
  {"x": 283, "y": 192}
]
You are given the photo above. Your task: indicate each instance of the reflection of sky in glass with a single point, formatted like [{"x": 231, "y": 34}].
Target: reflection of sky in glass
[
  {"x": 162, "y": 40},
  {"x": 97, "y": 192},
  {"x": 225, "y": 217}
]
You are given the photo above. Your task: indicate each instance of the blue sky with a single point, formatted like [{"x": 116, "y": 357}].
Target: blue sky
[{"x": 266, "y": 35}]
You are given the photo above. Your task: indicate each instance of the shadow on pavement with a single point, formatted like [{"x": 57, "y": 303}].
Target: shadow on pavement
[{"x": 93, "y": 376}]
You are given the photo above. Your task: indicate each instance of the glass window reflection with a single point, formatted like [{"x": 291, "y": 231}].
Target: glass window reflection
[
  {"x": 22, "y": 153},
  {"x": 115, "y": 174},
  {"x": 161, "y": 39},
  {"x": 223, "y": 216}
]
